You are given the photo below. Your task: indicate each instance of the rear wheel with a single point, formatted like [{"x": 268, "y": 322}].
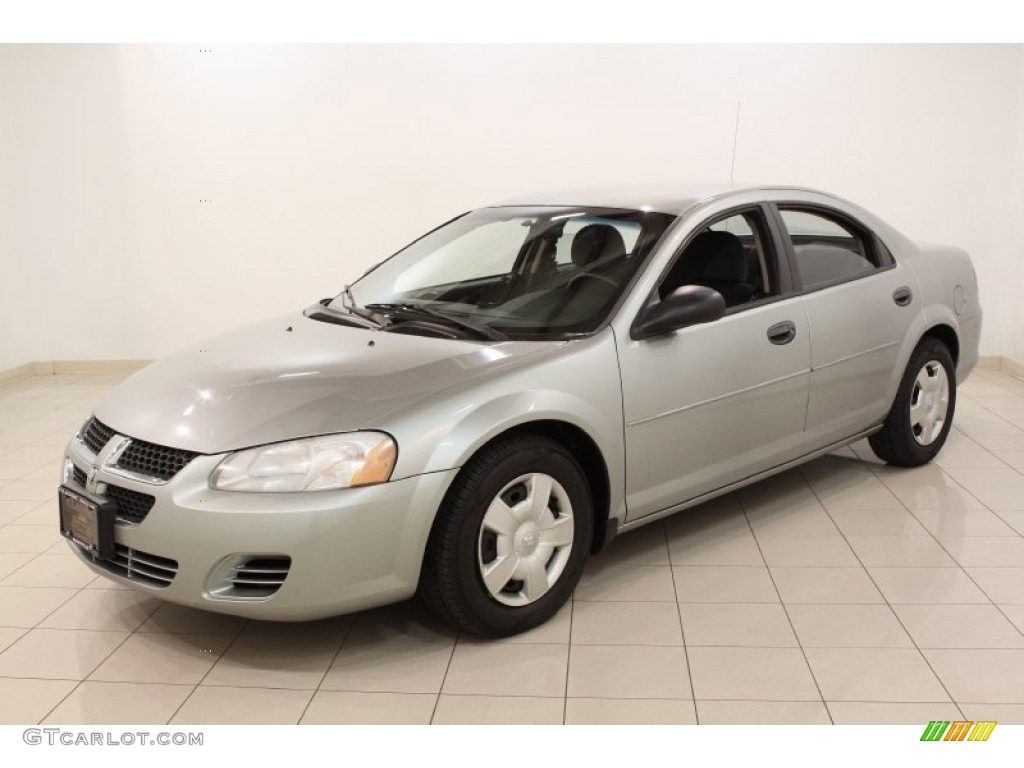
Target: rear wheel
[
  {"x": 922, "y": 414},
  {"x": 510, "y": 539}
]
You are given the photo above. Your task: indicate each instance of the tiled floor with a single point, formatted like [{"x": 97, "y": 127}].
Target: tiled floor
[{"x": 842, "y": 592}]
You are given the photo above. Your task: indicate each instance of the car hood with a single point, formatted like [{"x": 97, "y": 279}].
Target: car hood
[{"x": 294, "y": 377}]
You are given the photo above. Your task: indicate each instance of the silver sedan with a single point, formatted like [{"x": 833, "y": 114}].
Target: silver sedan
[{"x": 476, "y": 414}]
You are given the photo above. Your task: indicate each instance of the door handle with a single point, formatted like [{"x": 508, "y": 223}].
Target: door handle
[
  {"x": 782, "y": 333},
  {"x": 903, "y": 295}
]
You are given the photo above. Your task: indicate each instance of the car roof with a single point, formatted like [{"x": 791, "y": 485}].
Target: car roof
[{"x": 663, "y": 198}]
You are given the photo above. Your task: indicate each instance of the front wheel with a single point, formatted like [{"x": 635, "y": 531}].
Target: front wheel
[
  {"x": 510, "y": 539},
  {"x": 922, "y": 414}
]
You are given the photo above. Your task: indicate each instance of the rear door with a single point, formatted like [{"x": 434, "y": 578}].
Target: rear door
[{"x": 859, "y": 304}]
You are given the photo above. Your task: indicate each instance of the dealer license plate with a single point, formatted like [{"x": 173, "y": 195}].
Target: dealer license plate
[{"x": 87, "y": 521}]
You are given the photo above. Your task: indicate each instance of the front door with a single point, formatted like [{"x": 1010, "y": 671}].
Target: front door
[{"x": 712, "y": 404}]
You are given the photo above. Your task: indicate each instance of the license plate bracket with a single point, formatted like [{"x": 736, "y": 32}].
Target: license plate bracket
[{"x": 87, "y": 520}]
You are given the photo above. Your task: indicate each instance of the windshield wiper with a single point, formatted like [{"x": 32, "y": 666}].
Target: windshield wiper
[
  {"x": 350, "y": 306},
  {"x": 469, "y": 325}
]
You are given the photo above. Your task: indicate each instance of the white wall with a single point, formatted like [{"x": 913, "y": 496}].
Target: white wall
[
  {"x": 320, "y": 160},
  {"x": 14, "y": 348},
  {"x": 1014, "y": 344}
]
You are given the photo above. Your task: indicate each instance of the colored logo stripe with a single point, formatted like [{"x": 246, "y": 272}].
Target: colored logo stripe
[
  {"x": 959, "y": 730},
  {"x": 982, "y": 730}
]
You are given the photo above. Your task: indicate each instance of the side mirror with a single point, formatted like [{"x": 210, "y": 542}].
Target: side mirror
[{"x": 689, "y": 305}]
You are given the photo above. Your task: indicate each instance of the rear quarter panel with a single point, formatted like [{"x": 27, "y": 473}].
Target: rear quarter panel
[{"x": 948, "y": 297}]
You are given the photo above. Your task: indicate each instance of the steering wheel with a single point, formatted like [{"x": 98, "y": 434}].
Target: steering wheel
[{"x": 592, "y": 276}]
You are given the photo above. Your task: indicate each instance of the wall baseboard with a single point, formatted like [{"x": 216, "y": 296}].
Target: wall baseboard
[
  {"x": 1013, "y": 367},
  {"x": 50, "y": 367},
  {"x": 17, "y": 372}
]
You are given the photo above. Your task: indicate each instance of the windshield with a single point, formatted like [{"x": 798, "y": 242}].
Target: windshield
[{"x": 523, "y": 272}]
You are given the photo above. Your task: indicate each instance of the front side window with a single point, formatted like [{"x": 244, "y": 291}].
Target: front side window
[
  {"x": 827, "y": 249},
  {"x": 733, "y": 256},
  {"x": 525, "y": 272}
]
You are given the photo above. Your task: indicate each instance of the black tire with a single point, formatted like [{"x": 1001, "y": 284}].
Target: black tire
[
  {"x": 452, "y": 583},
  {"x": 898, "y": 441}
]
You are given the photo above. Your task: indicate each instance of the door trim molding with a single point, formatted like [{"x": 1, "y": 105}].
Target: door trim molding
[{"x": 691, "y": 406}]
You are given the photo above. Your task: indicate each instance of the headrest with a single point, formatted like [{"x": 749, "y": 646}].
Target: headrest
[
  {"x": 717, "y": 256},
  {"x": 597, "y": 242}
]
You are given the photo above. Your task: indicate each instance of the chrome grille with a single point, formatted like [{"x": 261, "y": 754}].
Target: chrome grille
[
  {"x": 259, "y": 576},
  {"x": 95, "y": 434},
  {"x": 132, "y": 506},
  {"x": 142, "y": 567},
  {"x": 154, "y": 460},
  {"x": 151, "y": 461}
]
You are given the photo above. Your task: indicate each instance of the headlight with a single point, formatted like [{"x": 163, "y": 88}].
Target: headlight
[{"x": 314, "y": 464}]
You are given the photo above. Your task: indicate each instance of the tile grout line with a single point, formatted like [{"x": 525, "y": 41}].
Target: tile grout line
[
  {"x": 877, "y": 587},
  {"x": 785, "y": 610},
  {"x": 27, "y": 563},
  {"x": 994, "y": 413},
  {"x": 100, "y": 663},
  {"x": 994, "y": 455},
  {"x": 682, "y": 628},
  {"x": 568, "y": 655},
  {"x": 500, "y": 695},
  {"x": 444, "y": 678},
  {"x": 195, "y": 688},
  {"x": 961, "y": 568},
  {"x": 327, "y": 669}
]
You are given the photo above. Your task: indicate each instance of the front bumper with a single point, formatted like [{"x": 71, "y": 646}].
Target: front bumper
[{"x": 349, "y": 550}]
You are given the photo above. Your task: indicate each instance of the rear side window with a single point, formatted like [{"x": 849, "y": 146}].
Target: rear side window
[{"x": 828, "y": 250}]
